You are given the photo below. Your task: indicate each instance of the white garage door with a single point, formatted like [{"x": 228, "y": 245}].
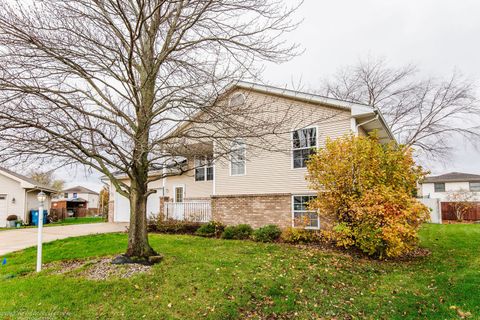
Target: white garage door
[
  {"x": 122, "y": 206},
  {"x": 153, "y": 204},
  {"x": 3, "y": 210}
]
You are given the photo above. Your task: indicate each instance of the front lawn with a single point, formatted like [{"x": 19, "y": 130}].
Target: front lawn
[
  {"x": 222, "y": 279},
  {"x": 83, "y": 220},
  {"x": 67, "y": 221}
]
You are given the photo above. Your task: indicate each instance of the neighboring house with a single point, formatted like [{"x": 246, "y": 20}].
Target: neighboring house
[
  {"x": 18, "y": 195},
  {"x": 73, "y": 200},
  {"x": 255, "y": 186},
  {"x": 437, "y": 192},
  {"x": 439, "y": 187}
]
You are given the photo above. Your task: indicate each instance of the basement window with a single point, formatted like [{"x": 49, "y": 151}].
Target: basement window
[{"x": 302, "y": 215}]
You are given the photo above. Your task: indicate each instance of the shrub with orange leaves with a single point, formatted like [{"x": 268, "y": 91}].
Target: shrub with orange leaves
[{"x": 368, "y": 190}]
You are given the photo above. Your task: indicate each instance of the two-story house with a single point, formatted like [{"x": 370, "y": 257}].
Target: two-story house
[
  {"x": 439, "y": 187},
  {"x": 252, "y": 185},
  {"x": 437, "y": 192},
  {"x": 74, "y": 199}
]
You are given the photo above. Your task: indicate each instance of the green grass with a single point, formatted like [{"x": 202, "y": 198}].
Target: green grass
[
  {"x": 84, "y": 220},
  {"x": 66, "y": 222},
  {"x": 227, "y": 279}
]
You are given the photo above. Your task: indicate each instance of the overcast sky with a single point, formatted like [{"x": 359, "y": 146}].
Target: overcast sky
[{"x": 439, "y": 36}]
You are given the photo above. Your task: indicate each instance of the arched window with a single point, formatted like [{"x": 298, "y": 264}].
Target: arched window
[{"x": 237, "y": 100}]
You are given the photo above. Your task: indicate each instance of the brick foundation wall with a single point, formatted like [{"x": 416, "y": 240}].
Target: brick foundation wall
[
  {"x": 256, "y": 210},
  {"x": 163, "y": 200},
  {"x": 110, "y": 211}
]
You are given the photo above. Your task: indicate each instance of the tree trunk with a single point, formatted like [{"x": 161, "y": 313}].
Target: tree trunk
[{"x": 138, "y": 246}]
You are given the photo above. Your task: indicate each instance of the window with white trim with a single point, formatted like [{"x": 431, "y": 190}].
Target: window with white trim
[
  {"x": 238, "y": 158},
  {"x": 203, "y": 168},
  {"x": 439, "y": 187},
  {"x": 475, "y": 186},
  {"x": 304, "y": 142},
  {"x": 302, "y": 216}
]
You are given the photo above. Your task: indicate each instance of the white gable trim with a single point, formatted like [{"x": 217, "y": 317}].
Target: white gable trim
[
  {"x": 357, "y": 109},
  {"x": 24, "y": 183}
]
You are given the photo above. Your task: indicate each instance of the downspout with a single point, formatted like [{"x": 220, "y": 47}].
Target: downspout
[{"x": 214, "y": 184}]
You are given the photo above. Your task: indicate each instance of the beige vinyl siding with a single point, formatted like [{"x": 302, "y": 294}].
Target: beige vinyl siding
[
  {"x": 272, "y": 171},
  {"x": 193, "y": 189},
  {"x": 268, "y": 170}
]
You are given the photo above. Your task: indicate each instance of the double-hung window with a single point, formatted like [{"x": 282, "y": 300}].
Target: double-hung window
[
  {"x": 475, "y": 186},
  {"x": 439, "y": 186},
  {"x": 303, "y": 145},
  {"x": 238, "y": 158},
  {"x": 203, "y": 169},
  {"x": 302, "y": 216}
]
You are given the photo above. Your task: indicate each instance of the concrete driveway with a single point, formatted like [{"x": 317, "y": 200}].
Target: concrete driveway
[{"x": 14, "y": 240}]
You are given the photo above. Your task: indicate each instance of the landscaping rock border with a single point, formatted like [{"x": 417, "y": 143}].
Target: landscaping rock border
[{"x": 98, "y": 269}]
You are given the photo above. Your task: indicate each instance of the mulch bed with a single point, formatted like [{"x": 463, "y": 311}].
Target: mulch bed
[{"x": 97, "y": 269}]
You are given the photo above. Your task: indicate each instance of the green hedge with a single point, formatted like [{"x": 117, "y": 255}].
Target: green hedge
[{"x": 240, "y": 232}]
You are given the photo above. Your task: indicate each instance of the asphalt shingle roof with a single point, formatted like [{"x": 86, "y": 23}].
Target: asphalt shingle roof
[
  {"x": 80, "y": 189},
  {"x": 453, "y": 177}
]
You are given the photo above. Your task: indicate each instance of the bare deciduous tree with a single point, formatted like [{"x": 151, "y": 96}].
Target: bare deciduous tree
[
  {"x": 47, "y": 178},
  {"x": 100, "y": 83},
  {"x": 423, "y": 113},
  {"x": 42, "y": 177},
  {"x": 461, "y": 201}
]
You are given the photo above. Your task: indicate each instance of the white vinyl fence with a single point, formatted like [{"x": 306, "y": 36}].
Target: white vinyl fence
[
  {"x": 435, "y": 209},
  {"x": 189, "y": 211}
]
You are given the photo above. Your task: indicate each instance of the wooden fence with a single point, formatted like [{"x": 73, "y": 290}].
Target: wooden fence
[
  {"x": 62, "y": 213},
  {"x": 472, "y": 215}
]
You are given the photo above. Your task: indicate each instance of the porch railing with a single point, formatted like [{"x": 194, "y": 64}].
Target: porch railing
[{"x": 189, "y": 211}]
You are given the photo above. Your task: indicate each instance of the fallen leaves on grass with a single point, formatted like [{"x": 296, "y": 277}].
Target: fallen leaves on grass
[{"x": 462, "y": 314}]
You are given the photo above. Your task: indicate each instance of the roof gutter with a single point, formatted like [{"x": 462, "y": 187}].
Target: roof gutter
[
  {"x": 44, "y": 189},
  {"x": 387, "y": 127}
]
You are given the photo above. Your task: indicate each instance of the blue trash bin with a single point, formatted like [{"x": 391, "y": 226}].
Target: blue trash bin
[{"x": 34, "y": 217}]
